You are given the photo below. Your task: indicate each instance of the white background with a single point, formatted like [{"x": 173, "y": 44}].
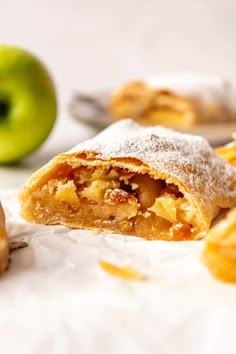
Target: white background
[{"x": 91, "y": 44}]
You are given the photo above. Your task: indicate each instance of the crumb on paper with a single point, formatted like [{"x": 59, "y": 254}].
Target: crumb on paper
[{"x": 125, "y": 272}]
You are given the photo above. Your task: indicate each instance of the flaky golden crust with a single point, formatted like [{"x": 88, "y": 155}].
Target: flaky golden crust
[
  {"x": 206, "y": 181},
  {"x": 219, "y": 253},
  {"x": 4, "y": 245},
  {"x": 228, "y": 151}
]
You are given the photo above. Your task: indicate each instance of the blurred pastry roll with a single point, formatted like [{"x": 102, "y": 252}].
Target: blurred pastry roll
[
  {"x": 178, "y": 102},
  {"x": 149, "y": 106}
]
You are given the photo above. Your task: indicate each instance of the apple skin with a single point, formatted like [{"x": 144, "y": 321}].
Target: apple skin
[{"x": 28, "y": 104}]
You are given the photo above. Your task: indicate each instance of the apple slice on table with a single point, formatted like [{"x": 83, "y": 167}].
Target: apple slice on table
[{"x": 28, "y": 104}]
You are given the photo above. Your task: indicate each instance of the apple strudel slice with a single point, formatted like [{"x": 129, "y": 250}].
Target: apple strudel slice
[
  {"x": 4, "y": 245},
  {"x": 145, "y": 181}
]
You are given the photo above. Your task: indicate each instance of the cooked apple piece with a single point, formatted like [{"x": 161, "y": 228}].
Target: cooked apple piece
[
  {"x": 147, "y": 189},
  {"x": 166, "y": 207},
  {"x": 96, "y": 190},
  {"x": 67, "y": 193}
]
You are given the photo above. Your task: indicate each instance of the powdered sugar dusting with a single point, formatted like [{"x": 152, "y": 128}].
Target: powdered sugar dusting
[{"x": 186, "y": 157}]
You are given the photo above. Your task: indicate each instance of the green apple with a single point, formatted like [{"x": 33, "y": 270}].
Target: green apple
[{"x": 28, "y": 104}]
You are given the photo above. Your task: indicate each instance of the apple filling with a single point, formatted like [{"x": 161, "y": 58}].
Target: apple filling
[{"x": 115, "y": 199}]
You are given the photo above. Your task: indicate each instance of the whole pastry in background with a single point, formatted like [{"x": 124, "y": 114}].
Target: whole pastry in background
[
  {"x": 219, "y": 253},
  {"x": 150, "y": 182},
  {"x": 149, "y": 106},
  {"x": 171, "y": 107},
  {"x": 4, "y": 245}
]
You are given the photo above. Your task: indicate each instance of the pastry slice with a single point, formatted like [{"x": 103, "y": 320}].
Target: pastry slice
[
  {"x": 219, "y": 253},
  {"x": 145, "y": 181},
  {"x": 4, "y": 246},
  {"x": 149, "y": 106},
  {"x": 228, "y": 151}
]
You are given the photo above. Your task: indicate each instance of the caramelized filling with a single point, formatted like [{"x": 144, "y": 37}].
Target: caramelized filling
[{"x": 118, "y": 200}]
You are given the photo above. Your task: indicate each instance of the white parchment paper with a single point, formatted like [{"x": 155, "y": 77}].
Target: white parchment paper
[{"x": 56, "y": 299}]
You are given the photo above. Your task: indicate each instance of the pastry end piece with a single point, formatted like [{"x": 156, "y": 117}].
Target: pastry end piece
[{"x": 4, "y": 243}]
